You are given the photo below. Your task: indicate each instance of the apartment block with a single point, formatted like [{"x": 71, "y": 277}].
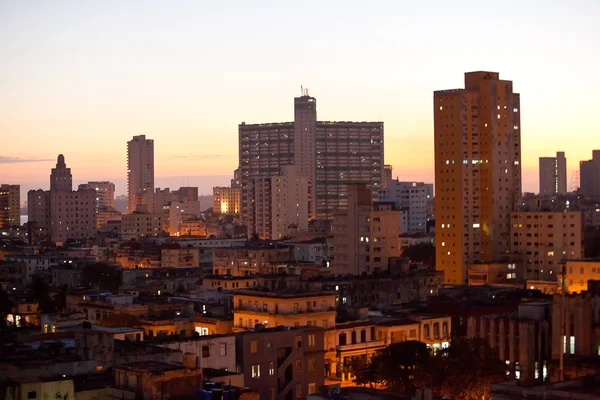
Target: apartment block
[
  {"x": 291, "y": 308},
  {"x": 280, "y": 204},
  {"x": 579, "y": 273},
  {"x": 366, "y": 235},
  {"x": 544, "y": 240},
  {"x": 62, "y": 212},
  {"x": 251, "y": 259},
  {"x": 553, "y": 175},
  {"x": 477, "y": 171},
  {"x": 10, "y": 205},
  {"x": 226, "y": 200},
  {"x": 282, "y": 363},
  {"x": 105, "y": 194},
  {"x": 589, "y": 176},
  {"x": 328, "y": 154},
  {"x": 140, "y": 169},
  {"x": 139, "y": 224},
  {"x": 411, "y": 197}
]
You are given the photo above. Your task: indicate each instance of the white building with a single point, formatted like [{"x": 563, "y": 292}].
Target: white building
[{"x": 411, "y": 198}]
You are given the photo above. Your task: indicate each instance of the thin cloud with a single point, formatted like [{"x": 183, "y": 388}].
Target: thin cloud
[
  {"x": 13, "y": 160},
  {"x": 203, "y": 156}
]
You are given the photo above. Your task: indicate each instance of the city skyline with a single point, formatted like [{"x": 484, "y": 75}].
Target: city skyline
[{"x": 190, "y": 96}]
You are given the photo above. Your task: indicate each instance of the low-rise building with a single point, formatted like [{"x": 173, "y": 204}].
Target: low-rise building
[
  {"x": 282, "y": 363},
  {"x": 213, "y": 351},
  {"x": 138, "y": 224},
  {"x": 252, "y": 259},
  {"x": 293, "y": 308}
]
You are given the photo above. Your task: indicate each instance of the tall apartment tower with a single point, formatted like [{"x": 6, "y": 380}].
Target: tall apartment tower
[
  {"x": 553, "y": 175},
  {"x": 477, "y": 172},
  {"x": 330, "y": 155},
  {"x": 589, "y": 176},
  {"x": 105, "y": 193},
  {"x": 60, "y": 177},
  {"x": 10, "y": 205},
  {"x": 140, "y": 169}
]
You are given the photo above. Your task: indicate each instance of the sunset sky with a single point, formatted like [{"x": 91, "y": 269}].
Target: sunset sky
[{"x": 82, "y": 77}]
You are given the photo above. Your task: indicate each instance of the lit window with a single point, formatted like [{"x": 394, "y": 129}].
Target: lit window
[
  {"x": 476, "y": 225},
  {"x": 256, "y": 371},
  {"x": 271, "y": 368},
  {"x": 572, "y": 344}
]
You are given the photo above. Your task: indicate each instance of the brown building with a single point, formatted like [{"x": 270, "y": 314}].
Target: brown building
[
  {"x": 252, "y": 259},
  {"x": 477, "y": 172},
  {"x": 366, "y": 235},
  {"x": 152, "y": 380},
  {"x": 282, "y": 363},
  {"x": 10, "y": 205}
]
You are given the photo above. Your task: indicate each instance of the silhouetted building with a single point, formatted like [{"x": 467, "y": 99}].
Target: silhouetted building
[{"x": 140, "y": 168}]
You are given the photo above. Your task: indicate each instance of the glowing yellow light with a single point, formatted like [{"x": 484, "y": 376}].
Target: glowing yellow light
[{"x": 223, "y": 207}]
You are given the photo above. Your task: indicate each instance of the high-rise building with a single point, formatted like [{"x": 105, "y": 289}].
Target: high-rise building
[
  {"x": 62, "y": 212},
  {"x": 105, "y": 194},
  {"x": 411, "y": 197},
  {"x": 553, "y": 175},
  {"x": 365, "y": 235},
  {"x": 280, "y": 204},
  {"x": 328, "y": 154},
  {"x": 140, "y": 168},
  {"x": 10, "y": 205},
  {"x": 589, "y": 176},
  {"x": 477, "y": 172}
]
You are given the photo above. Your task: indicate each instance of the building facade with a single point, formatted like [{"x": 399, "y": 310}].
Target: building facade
[
  {"x": 280, "y": 204},
  {"x": 477, "y": 171},
  {"x": 589, "y": 176},
  {"x": 553, "y": 175},
  {"x": 10, "y": 205},
  {"x": 544, "y": 240},
  {"x": 328, "y": 154},
  {"x": 411, "y": 197},
  {"x": 140, "y": 169},
  {"x": 226, "y": 200},
  {"x": 366, "y": 235},
  {"x": 105, "y": 193},
  {"x": 140, "y": 224}
]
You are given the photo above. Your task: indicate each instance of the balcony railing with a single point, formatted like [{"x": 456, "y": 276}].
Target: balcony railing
[
  {"x": 361, "y": 346},
  {"x": 301, "y": 310}
]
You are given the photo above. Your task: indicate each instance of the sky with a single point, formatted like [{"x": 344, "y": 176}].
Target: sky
[{"x": 82, "y": 77}]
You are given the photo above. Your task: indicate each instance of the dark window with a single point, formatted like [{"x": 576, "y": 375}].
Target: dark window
[
  {"x": 205, "y": 352},
  {"x": 32, "y": 395}
]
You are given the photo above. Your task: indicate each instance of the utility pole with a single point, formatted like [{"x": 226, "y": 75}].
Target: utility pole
[{"x": 563, "y": 346}]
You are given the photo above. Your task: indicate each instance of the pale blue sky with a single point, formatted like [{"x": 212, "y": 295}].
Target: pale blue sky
[{"x": 82, "y": 77}]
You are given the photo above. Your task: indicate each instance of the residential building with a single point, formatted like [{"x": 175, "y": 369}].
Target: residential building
[
  {"x": 523, "y": 340},
  {"x": 215, "y": 351},
  {"x": 411, "y": 197},
  {"x": 508, "y": 273},
  {"x": 328, "y": 154},
  {"x": 180, "y": 211},
  {"x": 64, "y": 213},
  {"x": 544, "y": 240},
  {"x": 140, "y": 169},
  {"x": 280, "y": 204},
  {"x": 553, "y": 175},
  {"x": 173, "y": 255},
  {"x": 289, "y": 308},
  {"x": 387, "y": 174},
  {"x": 283, "y": 363},
  {"x": 477, "y": 172},
  {"x": 139, "y": 224},
  {"x": 579, "y": 272},
  {"x": 589, "y": 176},
  {"x": 10, "y": 205},
  {"x": 105, "y": 194},
  {"x": 103, "y": 216},
  {"x": 252, "y": 259},
  {"x": 366, "y": 235},
  {"x": 226, "y": 200}
]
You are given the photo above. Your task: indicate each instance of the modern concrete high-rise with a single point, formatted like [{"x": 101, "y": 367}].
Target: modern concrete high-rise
[
  {"x": 477, "y": 172},
  {"x": 329, "y": 155},
  {"x": 140, "y": 168},
  {"x": 105, "y": 193},
  {"x": 411, "y": 197},
  {"x": 10, "y": 205},
  {"x": 553, "y": 175},
  {"x": 589, "y": 176}
]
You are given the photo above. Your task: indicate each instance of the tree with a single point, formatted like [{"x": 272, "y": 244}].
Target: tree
[
  {"x": 403, "y": 366},
  {"x": 6, "y": 306},
  {"x": 60, "y": 298},
  {"x": 422, "y": 252},
  {"x": 39, "y": 291},
  {"x": 363, "y": 371},
  {"x": 467, "y": 369}
]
